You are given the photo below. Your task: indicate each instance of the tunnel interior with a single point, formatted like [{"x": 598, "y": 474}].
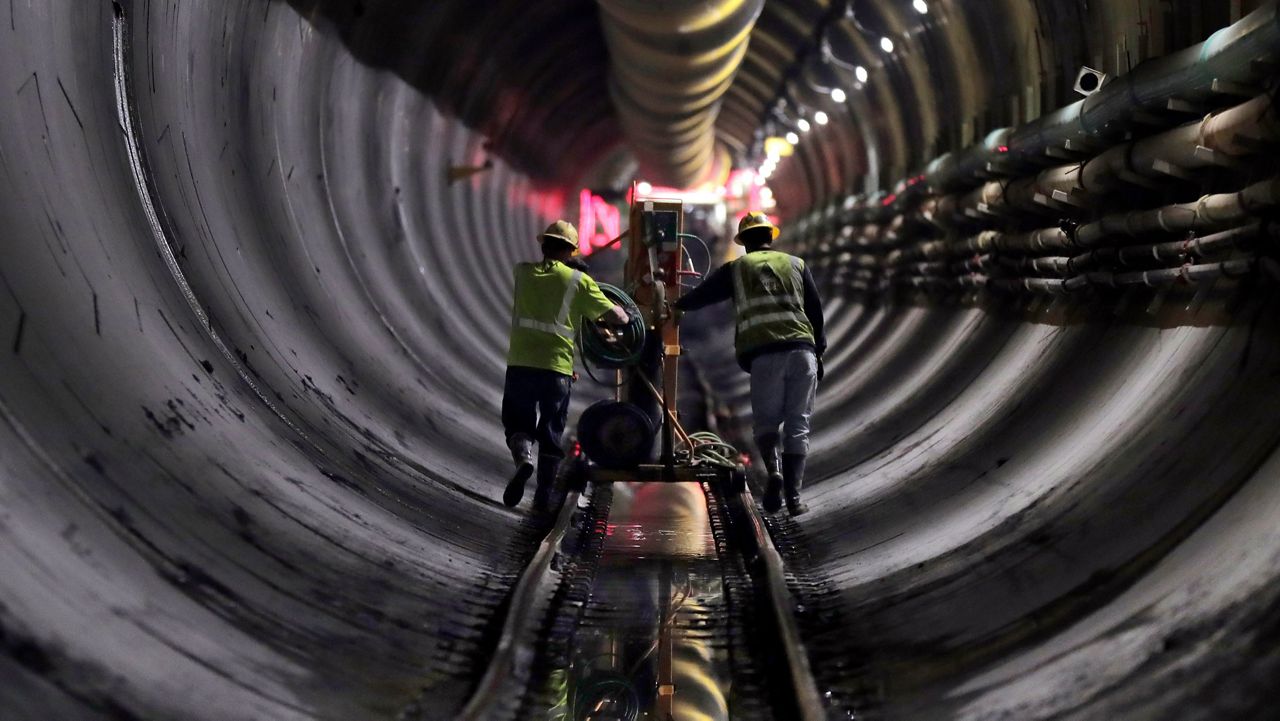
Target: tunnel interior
[{"x": 256, "y": 268}]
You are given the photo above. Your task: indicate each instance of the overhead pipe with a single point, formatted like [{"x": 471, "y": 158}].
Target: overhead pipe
[{"x": 670, "y": 64}]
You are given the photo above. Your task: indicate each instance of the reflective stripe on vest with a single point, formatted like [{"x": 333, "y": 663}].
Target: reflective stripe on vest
[
  {"x": 560, "y": 327},
  {"x": 790, "y": 307}
]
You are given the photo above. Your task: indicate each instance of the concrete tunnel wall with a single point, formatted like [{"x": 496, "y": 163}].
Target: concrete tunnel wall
[{"x": 252, "y": 361}]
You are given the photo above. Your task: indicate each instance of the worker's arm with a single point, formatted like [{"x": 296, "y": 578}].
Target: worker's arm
[
  {"x": 592, "y": 303},
  {"x": 715, "y": 288},
  {"x": 616, "y": 316},
  {"x": 813, "y": 311}
]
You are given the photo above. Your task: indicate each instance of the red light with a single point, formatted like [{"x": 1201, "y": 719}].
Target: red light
[
  {"x": 598, "y": 222},
  {"x": 1002, "y": 149},
  {"x": 746, "y": 460},
  {"x": 889, "y": 200}
]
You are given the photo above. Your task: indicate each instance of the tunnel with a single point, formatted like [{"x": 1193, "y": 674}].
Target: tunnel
[{"x": 256, "y": 293}]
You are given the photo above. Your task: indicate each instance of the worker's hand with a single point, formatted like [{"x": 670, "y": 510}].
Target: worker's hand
[
  {"x": 617, "y": 316},
  {"x": 821, "y": 370}
]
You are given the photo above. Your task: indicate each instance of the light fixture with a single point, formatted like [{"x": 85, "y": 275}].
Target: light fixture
[
  {"x": 792, "y": 138},
  {"x": 766, "y": 192},
  {"x": 886, "y": 44},
  {"x": 644, "y": 188},
  {"x": 861, "y": 73},
  {"x": 921, "y": 7},
  {"x": 803, "y": 125},
  {"x": 820, "y": 118},
  {"x": 760, "y": 180},
  {"x": 838, "y": 95}
]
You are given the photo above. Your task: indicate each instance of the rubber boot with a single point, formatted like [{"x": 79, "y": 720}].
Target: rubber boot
[
  {"x": 548, "y": 470},
  {"x": 521, "y": 447},
  {"x": 768, "y": 445},
  {"x": 792, "y": 481}
]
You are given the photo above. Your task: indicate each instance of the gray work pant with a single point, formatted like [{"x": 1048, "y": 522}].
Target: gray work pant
[{"x": 783, "y": 386}]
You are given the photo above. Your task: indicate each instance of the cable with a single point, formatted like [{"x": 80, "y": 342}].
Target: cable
[
  {"x": 707, "y": 447},
  {"x": 622, "y": 346},
  {"x": 706, "y": 248}
]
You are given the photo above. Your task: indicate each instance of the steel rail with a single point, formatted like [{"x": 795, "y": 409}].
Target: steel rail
[
  {"x": 513, "y": 649},
  {"x": 775, "y": 593}
]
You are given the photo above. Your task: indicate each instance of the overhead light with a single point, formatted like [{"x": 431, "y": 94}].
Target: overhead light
[
  {"x": 820, "y": 118},
  {"x": 861, "y": 73},
  {"x": 838, "y": 95},
  {"x": 765, "y": 193},
  {"x": 886, "y": 44},
  {"x": 921, "y": 7},
  {"x": 792, "y": 138},
  {"x": 644, "y": 188},
  {"x": 803, "y": 125},
  {"x": 760, "y": 180}
]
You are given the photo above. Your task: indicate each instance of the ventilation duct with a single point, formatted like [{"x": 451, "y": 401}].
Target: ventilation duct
[{"x": 671, "y": 62}]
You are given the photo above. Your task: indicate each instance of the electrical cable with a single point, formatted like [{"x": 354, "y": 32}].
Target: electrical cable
[
  {"x": 706, "y": 248},
  {"x": 707, "y": 447}
]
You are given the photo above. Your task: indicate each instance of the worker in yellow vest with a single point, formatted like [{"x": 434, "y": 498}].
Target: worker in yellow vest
[
  {"x": 780, "y": 342},
  {"x": 549, "y": 298}
]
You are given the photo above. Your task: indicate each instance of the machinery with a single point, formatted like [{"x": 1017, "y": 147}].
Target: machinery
[{"x": 645, "y": 362}]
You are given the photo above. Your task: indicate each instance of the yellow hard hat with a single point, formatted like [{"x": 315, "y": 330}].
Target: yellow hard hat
[
  {"x": 561, "y": 230},
  {"x": 751, "y": 221}
]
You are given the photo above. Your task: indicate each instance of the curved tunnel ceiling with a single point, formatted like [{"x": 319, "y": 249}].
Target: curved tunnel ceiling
[{"x": 254, "y": 341}]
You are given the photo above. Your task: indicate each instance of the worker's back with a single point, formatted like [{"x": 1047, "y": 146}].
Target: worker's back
[
  {"x": 768, "y": 299},
  {"x": 549, "y": 298}
]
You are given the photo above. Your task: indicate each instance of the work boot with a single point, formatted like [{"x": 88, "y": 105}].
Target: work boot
[
  {"x": 792, "y": 480},
  {"x": 768, "y": 445},
  {"x": 521, "y": 447},
  {"x": 548, "y": 470}
]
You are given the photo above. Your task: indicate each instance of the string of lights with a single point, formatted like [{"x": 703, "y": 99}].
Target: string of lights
[{"x": 790, "y": 119}]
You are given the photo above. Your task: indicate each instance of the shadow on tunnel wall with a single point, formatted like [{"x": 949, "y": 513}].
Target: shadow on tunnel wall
[
  {"x": 251, "y": 370},
  {"x": 538, "y": 96}
]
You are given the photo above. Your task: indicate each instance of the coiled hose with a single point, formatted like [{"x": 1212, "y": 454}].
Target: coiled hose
[
  {"x": 707, "y": 447},
  {"x": 612, "y": 347}
]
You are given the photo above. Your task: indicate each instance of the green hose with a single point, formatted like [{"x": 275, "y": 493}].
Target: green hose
[{"x": 628, "y": 340}]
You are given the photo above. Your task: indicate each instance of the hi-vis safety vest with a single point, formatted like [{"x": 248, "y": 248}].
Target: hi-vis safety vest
[
  {"x": 768, "y": 297},
  {"x": 549, "y": 297}
]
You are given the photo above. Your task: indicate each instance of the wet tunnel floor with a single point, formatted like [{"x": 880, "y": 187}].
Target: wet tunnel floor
[{"x": 663, "y": 631}]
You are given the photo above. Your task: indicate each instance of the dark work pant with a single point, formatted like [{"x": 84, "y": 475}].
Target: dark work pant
[{"x": 536, "y": 402}]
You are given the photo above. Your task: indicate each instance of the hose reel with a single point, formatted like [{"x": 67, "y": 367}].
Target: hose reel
[{"x": 615, "y": 435}]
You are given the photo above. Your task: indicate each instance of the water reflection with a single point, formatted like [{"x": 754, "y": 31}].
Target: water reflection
[{"x": 653, "y": 642}]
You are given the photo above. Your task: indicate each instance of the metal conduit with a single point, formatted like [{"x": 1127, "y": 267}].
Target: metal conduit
[{"x": 670, "y": 63}]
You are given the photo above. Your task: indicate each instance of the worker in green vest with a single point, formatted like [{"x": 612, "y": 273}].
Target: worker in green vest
[
  {"x": 549, "y": 296},
  {"x": 780, "y": 342}
]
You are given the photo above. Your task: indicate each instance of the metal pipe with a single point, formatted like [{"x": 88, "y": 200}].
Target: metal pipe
[
  {"x": 671, "y": 62},
  {"x": 1209, "y": 212},
  {"x": 1233, "y": 61}
]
